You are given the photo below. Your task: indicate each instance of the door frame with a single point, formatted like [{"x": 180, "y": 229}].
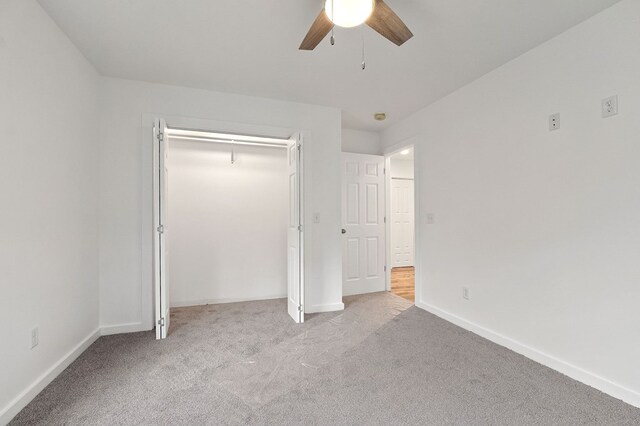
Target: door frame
[
  {"x": 214, "y": 126},
  {"x": 410, "y": 143}
]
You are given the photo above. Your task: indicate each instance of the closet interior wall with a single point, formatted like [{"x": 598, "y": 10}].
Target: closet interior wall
[{"x": 228, "y": 222}]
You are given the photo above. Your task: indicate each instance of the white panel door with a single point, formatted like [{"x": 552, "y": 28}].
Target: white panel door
[
  {"x": 160, "y": 236},
  {"x": 295, "y": 235},
  {"x": 402, "y": 225},
  {"x": 363, "y": 239}
]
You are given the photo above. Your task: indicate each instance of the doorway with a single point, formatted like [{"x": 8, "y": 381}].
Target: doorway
[
  {"x": 232, "y": 200},
  {"x": 401, "y": 223}
]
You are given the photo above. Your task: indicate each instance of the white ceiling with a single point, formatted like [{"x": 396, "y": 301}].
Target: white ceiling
[{"x": 251, "y": 47}]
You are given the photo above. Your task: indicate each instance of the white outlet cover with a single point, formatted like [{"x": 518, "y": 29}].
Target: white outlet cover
[
  {"x": 35, "y": 337},
  {"x": 610, "y": 106},
  {"x": 554, "y": 122}
]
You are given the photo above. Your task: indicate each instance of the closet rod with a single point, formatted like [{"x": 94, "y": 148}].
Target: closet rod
[
  {"x": 226, "y": 136},
  {"x": 230, "y": 142}
]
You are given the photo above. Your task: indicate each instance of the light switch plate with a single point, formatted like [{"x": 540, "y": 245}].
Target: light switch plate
[{"x": 465, "y": 293}]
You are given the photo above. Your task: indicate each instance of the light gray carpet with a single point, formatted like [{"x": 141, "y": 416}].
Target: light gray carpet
[{"x": 381, "y": 361}]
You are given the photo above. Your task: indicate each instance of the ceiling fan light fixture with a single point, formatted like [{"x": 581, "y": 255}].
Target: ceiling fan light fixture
[{"x": 348, "y": 13}]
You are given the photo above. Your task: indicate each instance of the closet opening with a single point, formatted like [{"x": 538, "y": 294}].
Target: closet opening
[{"x": 227, "y": 220}]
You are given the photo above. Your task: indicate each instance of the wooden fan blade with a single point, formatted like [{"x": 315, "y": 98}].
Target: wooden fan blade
[
  {"x": 319, "y": 29},
  {"x": 388, "y": 24}
]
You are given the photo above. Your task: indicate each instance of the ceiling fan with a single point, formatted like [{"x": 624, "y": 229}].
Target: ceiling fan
[{"x": 350, "y": 13}]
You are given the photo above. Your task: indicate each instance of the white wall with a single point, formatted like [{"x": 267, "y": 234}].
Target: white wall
[
  {"x": 48, "y": 214},
  {"x": 401, "y": 168},
  {"x": 361, "y": 142},
  {"x": 125, "y": 187},
  {"x": 227, "y": 223},
  {"x": 543, "y": 227}
]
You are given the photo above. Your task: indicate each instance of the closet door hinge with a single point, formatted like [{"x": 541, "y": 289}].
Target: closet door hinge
[
  {"x": 385, "y": 268},
  {"x": 299, "y": 308},
  {"x": 161, "y": 322},
  {"x": 160, "y": 137},
  {"x": 160, "y": 229},
  {"x": 300, "y": 228}
]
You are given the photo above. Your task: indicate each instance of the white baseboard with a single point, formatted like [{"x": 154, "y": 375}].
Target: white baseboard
[
  {"x": 353, "y": 290},
  {"x": 134, "y": 327},
  {"x": 331, "y": 307},
  {"x": 223, "y": 300},
  {"x": 21, "y": 401},
  {"x": 607, "y": 386}
]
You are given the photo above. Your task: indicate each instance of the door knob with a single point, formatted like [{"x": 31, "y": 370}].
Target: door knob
[{"x": 344, "y": 231}]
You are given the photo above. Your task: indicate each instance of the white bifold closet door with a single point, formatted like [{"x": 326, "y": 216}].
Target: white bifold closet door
[
  {"x": 295, "y": 234},
  {"x": 402, "y": 223},
  {"x": 363, "y": 243},
  {"x": 160, "y": 229}
]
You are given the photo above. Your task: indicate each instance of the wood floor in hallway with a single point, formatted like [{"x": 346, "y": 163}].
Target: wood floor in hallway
[{"x": 403, "y": 282}]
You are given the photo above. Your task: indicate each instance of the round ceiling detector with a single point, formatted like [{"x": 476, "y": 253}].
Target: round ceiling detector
[
  {"x": 380, "y": 116},
  {"x": 348, "y": 13}
]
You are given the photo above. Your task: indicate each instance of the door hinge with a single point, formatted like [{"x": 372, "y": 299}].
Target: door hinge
[
  {"x": 160, "y": 229},
  {"x": 299, "y": 147},
  {"x": 160, "y": 137},
  {"x": 384, "y": 170},
  {"x": 161, "y": 322},
  {"x": 300, "y": 228},
  {"x": 385, "y": 268},
  {"x": 385, "y": 219},
  {"x": 299, "y": 308}
]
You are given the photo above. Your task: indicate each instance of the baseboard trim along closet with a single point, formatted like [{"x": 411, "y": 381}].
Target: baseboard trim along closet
[
  {"x": 41, "y": 382},
  {"x": 224, "y": 300},
  {"x": 316, "y": 309},
  {"x": 607, "y": 386},
  {"x": 134, "y": 327}
]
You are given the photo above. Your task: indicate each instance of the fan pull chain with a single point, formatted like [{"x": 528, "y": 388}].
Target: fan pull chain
[
  {"x": 233, "y": 154},
  {"x": 364, "y": 63},
  {"x": 333, "y": 40}
]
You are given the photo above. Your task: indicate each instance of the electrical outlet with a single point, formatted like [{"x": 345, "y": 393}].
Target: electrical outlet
[
  {"x": 554, "y": 122},
  {"x": 465, "y": 293},
  {"x": 35, "y": 337},
  {"x": 431, "y": 218},
  {"x": 610, "y": 107}
]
